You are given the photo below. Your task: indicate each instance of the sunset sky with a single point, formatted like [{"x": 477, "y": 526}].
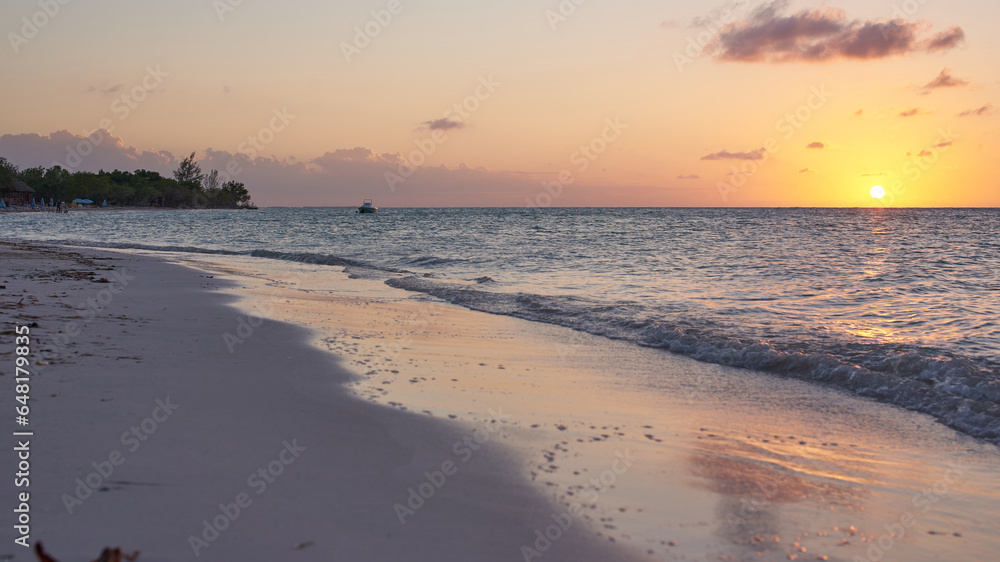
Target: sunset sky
[{"x": 449, "y": 103}]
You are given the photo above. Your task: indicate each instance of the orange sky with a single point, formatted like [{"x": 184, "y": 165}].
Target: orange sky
[{"x": 629, "y": 103}]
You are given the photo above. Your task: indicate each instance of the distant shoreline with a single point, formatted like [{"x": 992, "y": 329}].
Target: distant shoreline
[{"x": 109, "y": 208}]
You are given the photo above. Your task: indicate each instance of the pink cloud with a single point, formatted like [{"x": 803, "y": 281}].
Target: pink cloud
[
  {"x": 978, "y": 112},
  {"x": 726, "y": 155},
  {"x": 344, "y": 177},
  {"x": 944, "y": 80},
  {"x": 823, "y": 34},
  {"x": 101, "y": 150}
]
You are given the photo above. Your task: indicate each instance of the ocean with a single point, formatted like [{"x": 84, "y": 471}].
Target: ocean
[{"x": 898, "y": 305}]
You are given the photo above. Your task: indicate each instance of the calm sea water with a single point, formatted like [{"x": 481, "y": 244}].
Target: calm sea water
[{"x": 895, "y": 304}]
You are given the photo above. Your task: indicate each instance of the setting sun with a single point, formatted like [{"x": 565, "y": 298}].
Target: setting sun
[{"x": 878, "y": 192}]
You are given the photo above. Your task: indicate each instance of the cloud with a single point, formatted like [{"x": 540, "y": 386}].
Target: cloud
[
  {"x": 443, "y": 124},
  {"x": 688, "y": 177},
  {"x": 874, "y": 174},
  {"x": 357, "y": 154},
  {"x": 771, "y": 35},
  {"x": 946, "y": 40},
  {"x": 338, "y": 177},
  {"x": 717, "y": 17},
  {"x": 925, "y": 152},
  {"x": 817, "y": 144},
  {"x": 944, "y": 80},
  {"x": 944, "y": 144},
  {"x": 806, "y": 171},
  {"x": 912, "y": 112},
  {"x": 726, "y": 155},
  {"x": 344, "y": 177},
  {"x": 103, "y": 150},
  {"x": 859, "y": 113},
  {"x": 108, "y": 92},
  {"x": 979, "y": 112}
]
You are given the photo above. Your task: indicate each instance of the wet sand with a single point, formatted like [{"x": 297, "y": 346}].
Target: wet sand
[
  {"x": 615, "y": 451},
  {"x": 673, "y": 458}
]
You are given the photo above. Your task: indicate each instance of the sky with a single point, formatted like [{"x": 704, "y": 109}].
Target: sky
[{"x": 518, "y": 103}]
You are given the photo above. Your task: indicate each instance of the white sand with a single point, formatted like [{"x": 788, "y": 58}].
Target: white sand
[{"x": 160, "y": 338}]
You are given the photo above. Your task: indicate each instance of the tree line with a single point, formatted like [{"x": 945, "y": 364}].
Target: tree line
[{"x": 188, "y": 188}]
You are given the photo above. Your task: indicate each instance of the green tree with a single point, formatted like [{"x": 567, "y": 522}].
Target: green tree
[
  {"x": 236, "y": 195},
  {"x": 8, "y": 174},
  {"x": 189, "y": 172},
  {"x": 141, "y": 188},
  {"x": 211, "y": 181}
]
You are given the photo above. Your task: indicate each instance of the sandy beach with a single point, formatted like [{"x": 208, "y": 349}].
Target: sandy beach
[
  {"x": 144, "y": 425},
  {"x": 500, "y": 281},
  {"x": 235, "y": 408}
]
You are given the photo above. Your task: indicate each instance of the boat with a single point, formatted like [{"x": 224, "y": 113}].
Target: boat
[{"x": 368, "y": 207}]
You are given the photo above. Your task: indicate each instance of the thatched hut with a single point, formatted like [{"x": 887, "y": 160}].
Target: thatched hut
[{"x": 20, "y": 194}]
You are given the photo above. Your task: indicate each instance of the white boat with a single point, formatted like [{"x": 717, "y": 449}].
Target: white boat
[{"x": 368, "y": 207}]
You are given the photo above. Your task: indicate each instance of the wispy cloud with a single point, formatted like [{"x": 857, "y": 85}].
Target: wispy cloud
[
  {"x": 726, "y": 155},
  {"x": 771, "y": 35},
  {"x": 107, "y": 91},
  {"x": 817, "y": 145},
  {"x": 806, "y": 171},
  {"x": 912, "y": 112},
  {"x": 874, "y": 174},
  {"x": 978, "y": 112},
  {"x": 944, "y": 80},
  {"x": 688, "y": 177},
  {"x": 443, "y": 124}
]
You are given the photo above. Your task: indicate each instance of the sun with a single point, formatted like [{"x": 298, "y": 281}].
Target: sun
[{"x": 878, "y": 192}]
